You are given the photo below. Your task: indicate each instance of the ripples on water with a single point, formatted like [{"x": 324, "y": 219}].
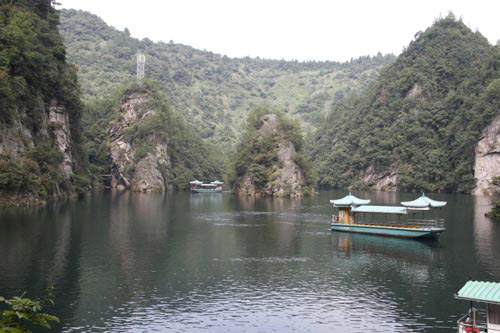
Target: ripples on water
[{"x": 182, "y": 263}]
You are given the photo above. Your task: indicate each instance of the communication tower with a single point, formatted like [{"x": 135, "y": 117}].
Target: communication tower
[{"x": 141, "y": 62}]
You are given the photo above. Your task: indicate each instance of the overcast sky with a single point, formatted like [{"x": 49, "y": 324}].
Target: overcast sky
[{"x": 289, "y": 29}]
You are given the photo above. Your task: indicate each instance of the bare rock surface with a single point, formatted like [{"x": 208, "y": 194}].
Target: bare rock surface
[
  {"x": 487, "y": 163},
  {"x": 381, "y": 181},
  {"x": 58, "y": 120}
]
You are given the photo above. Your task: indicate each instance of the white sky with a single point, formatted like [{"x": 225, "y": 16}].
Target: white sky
[{"x": 290, "y": 29}]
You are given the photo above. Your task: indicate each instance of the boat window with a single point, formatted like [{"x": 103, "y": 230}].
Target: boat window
[
  {"x": 494, "y": 314},
  {"x": 341, "y": 213}
]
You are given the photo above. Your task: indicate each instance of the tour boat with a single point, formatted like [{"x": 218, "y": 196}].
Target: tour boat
[
  {"x": 480, "y": 292},
  {"x": 356, "y": 215},
  {"x": 200, "y": 187}
]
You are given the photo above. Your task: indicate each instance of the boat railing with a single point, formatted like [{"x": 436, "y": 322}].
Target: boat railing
[
  {"x": 424, "y": 223},
  {"x": 465, "y": 325},
  {"x": 430, "y": 223}
]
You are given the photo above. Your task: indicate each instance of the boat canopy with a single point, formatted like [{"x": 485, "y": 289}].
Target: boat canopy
[
  {"x": 209, "y": 185},
  {"x": 424, "y": 202},
  {"x": 349, "y": 200},
  {"x": 217, "y": 183},
  {"x": 195, "y": 182},
  {"x": 380, "y": 209},
  {"x": 480, "y": 291}
]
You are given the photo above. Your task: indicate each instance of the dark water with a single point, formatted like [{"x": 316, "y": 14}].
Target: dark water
[{"x": 215, "y": 263}]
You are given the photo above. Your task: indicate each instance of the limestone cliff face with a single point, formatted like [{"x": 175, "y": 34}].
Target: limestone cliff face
[
  {"x": 381, "y": 181},
  {"x": 17, "y": 143},
  {"x": 487, "y": 163},
  {"x": 287, "y": 179},
  {"x": 130, "y": 169},
  {"x": 17, "y": 139},
  {"x": 58, "y": 121}
]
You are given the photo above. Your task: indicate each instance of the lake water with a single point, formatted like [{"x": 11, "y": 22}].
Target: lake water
[{"x": 124, "y": 262}]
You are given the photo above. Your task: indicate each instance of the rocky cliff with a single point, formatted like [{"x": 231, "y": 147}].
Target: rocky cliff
[
  {"x": 140, "y": 165},
  {"x": 59, "y": 128},
  {"x": 41, "y": 153},
  {"x": 487, "y": 163},
  {"x": 381, "y": 181},
  {"x": 269, "y": 164},
  {"x": 36, "y": 164}
]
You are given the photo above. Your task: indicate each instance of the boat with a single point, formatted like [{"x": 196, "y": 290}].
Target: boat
[
  {"x": 200, "y": 187},
  {"x": 357, "y": 215},
  {"x": 480, "y": 292}
]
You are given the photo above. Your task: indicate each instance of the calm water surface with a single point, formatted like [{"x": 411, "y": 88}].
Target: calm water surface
[{"x": 214, "y": 263}]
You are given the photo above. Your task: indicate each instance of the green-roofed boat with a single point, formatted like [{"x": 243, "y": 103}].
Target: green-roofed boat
[
  {"x": 480, "y": 292},
  {"x": 411, "y": 220},
  {"x": 200, "y": 187}
]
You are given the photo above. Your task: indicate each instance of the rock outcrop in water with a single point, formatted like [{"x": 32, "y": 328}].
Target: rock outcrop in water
[
  {"x": 487, "y": 163},
  {"x": 270, "y": 160},
  {"x": 143, "y": 165},
  {"x": 152, "y": 149}
]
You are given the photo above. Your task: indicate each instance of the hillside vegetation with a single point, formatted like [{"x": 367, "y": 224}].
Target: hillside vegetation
[
  {"x": 215, "y": 93},
  {"x": 415, "y": 128}
]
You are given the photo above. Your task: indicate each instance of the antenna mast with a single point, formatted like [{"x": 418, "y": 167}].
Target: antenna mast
[{"x": 141, "y": 62}]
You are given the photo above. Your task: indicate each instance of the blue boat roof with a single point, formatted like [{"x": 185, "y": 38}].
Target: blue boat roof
[
  {"x": 480, "y": 291},
  {"x": 424, "y": 202},
  {"x": 380, "y": 209},
  {"x": 349, "y": 200}
]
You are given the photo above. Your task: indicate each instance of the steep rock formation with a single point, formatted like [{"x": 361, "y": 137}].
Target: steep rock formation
[
  {"x": 140, "y": 166},
  {"x": 381, "y": 181},
  {"x": 286, "y": 178},
  {"x": 58, "y": 120},
  {"x": 41, "y": 153},
  {"x": 487, "y": 163},
  {"x": 28, "y": 173}
]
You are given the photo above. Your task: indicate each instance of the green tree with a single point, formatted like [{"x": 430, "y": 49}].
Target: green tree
[{"x": 23, "y": 313}]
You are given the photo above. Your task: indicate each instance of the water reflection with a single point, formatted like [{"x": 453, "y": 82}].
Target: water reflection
[
  {"x": 486, "y": 232},
  {"x": 122, "y": 262}
]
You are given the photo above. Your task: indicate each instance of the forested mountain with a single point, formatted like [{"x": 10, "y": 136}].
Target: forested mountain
[
  {"x": 416, "y": 127},
  {"x": 40, "y": 137},
  {"x": 215, "y": 93}
]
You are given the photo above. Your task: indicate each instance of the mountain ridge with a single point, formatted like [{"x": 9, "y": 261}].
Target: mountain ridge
[{"x": 215, "y": 92}]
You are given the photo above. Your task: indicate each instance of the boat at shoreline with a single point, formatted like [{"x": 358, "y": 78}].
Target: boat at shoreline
[
  {"x": 356, "y": 215},
  {"x": 200, "y": 187}
]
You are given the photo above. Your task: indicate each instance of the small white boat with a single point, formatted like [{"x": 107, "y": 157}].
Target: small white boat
[{"x": 200, "y": 187}]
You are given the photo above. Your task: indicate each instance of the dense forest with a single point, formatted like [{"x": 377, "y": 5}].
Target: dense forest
[
  {"x": 214, "y": 92},
  {"x": 33, "y": 75},
  {"x": 418, "y": 124}
]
